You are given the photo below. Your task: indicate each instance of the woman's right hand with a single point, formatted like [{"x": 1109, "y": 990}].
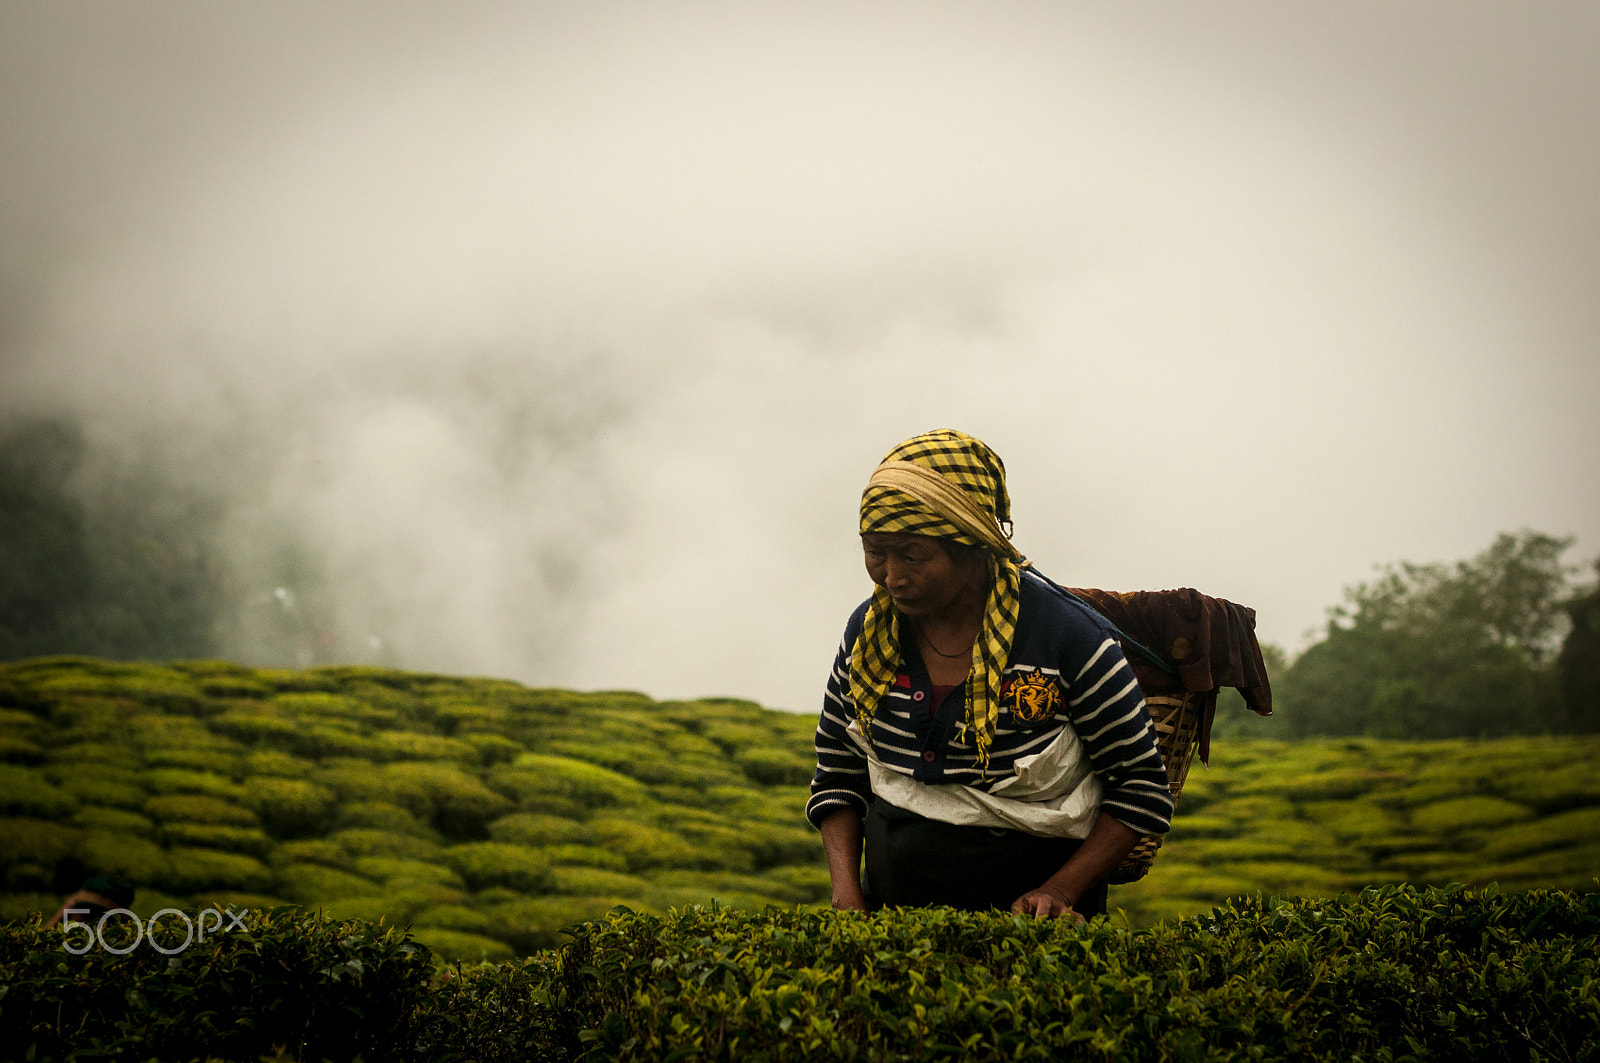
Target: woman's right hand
[{"x": 849, "y": 901}]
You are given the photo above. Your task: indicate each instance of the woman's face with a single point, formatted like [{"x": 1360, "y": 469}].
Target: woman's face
[{"x": 922, "y": 579}]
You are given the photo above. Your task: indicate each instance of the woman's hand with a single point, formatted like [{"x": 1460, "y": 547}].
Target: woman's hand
[
  {"x": 1046, "y": 903},
  {"x": 849, "y": 901},
  {"x": 1108, "y": 842}
]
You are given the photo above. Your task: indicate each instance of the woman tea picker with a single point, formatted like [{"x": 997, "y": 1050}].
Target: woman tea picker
[{"x": 981, "y": 731}]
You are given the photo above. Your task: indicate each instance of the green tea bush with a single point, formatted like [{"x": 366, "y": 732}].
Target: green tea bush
[
  {"x": 124, "y": 856},
  {"x": 460, "y": 715},
  {"x": 499, "y": 864},
  {"x": 236, "y": 900},
  {"x": 391, "y": 870},
  {"x": 26, "y": 792},
  {"x": 180, "y": 781},
  {"x": 19, "y": 723},
  {"x": 491, "y": 749},
  {"x": 323, "y": 705},
  {"x": 776, "y": 767},
  {"x": 535, "y": 775},
  {"x": 197, "y": 808},
  {"x": 286, "y": 680},
  {"x": 364, "y": 841},
  {"x": 1552, "y": 788},
  {"x": 776, "y": 844},
  {"x": 301, "y": 985},
  {"x": 396, "y": 906},
  {"x": 1466, "y": 813},
  {"x": 811, "y": 882},
  {"x": 644, "y": 846},
  {"x": 381, "y": 815},
  {"x": 622, "y": 754},
  {"x": 1577, "y": 827},
  {"x": 93, "y": 817},
  {"x": 336, "y": 738},
  {"x": 312, "y": 851},
  {"x": 1394, "y": 973},
  {"x": 586, "y": 856},
  {"x": 461, "y": 947},
  {"x": 163, "y": 688},
  {"x": 594, "y": 882},
  {"x": 15, "y": 749},
  {"x": 453, "y": 917},
  {"x": 529, "y": 924},
  {"x": 194, "y": 758},
  {"x": 25, "y": 906},
  {"x": 29, "y": 849},
  {"x": 228, "y": 680},
  {"x": 1357, "y": 822},
  {"x": 724, "y": 884},
  {"x": 410, "y": 745},
  {"x": 732, "y": 736},
  {"x": 290, "y": 808},
  {"x": 245, "y": 840},
  {"x": 276, "y": 762},
  {"x": 71, "y": 751},
  {"x": 311, "y": 883},
  {"x": 187, "y": 870},
  {"x": 461, "y": 806},
  {"x": 257, "y": 725}
]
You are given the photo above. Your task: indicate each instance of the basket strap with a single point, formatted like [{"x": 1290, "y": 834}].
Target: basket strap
[{"x": 1144, "y": 651}]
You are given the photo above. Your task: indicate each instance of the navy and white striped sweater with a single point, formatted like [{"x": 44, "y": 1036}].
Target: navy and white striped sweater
[{"x": 1065, "y": 670}]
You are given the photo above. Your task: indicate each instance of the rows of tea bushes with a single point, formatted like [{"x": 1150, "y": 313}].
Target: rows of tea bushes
[
  {"x": 1395, "y": 973},
  {"x": 485, "y": 814},
  {"x": 1318, "y": 817},
  {"x": 488, "y": 815}
]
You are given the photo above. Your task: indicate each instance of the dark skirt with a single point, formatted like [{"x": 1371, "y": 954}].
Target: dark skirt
[{"x": 915, "y": 862}]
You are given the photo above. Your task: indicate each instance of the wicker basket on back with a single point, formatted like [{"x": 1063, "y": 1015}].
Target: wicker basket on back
[
  {"x": 1189, "y": 646},
  {"x": 1177, "y": 723}
]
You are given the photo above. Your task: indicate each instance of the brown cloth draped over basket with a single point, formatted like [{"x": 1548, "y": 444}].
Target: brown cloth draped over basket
[{"x": 1210, "y": 643}]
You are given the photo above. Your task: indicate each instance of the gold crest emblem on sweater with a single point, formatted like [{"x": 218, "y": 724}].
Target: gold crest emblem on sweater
[{"x": 1032, "y": 697}]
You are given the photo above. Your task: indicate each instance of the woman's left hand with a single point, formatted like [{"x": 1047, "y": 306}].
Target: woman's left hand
[{"x": 1046, "y": 903}]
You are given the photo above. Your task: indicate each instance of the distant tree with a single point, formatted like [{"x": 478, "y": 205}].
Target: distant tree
[
  {"x": 1578, "y": 666},
  {"x": 125, "y": 569},
  {"x": 45, "y": 572},
  {"x": 1430, "y": 651}
]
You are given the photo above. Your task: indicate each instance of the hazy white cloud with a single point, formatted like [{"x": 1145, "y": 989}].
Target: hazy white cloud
[{"x": 567, "y": 336}]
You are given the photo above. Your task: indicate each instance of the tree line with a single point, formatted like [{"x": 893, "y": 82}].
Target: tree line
[{"x": 1503, "y": 643}]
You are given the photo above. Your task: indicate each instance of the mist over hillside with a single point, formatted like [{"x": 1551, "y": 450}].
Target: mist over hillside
[{"x": 556, "y": 342}]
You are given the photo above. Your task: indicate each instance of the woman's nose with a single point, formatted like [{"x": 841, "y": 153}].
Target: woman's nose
[{"x": 893, "y": 575}]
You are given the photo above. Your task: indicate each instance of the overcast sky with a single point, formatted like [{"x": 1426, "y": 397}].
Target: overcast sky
[{"x": 568, "y": 334}]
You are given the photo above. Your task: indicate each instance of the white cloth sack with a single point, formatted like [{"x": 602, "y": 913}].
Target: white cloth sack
[{"x": 1054, "y": 793}]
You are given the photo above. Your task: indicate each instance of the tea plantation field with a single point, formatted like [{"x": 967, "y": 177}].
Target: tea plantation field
[{"x": 488, "y": 815}]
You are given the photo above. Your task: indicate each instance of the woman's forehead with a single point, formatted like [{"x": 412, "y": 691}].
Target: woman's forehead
[{"x": 898, "y": 540}]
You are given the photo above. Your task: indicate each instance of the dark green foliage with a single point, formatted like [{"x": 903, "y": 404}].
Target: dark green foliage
[
  {"x": 1578, "y": 666},
  {"x": 1435, "y": 651},
  {"x": 122, "y": 566},
  {"x": 317, "y": 988},
  {"x": 1395, "y": 973}
]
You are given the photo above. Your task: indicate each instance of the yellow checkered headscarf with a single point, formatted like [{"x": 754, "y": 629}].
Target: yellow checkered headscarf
[{"x": 950, "y": 486}]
